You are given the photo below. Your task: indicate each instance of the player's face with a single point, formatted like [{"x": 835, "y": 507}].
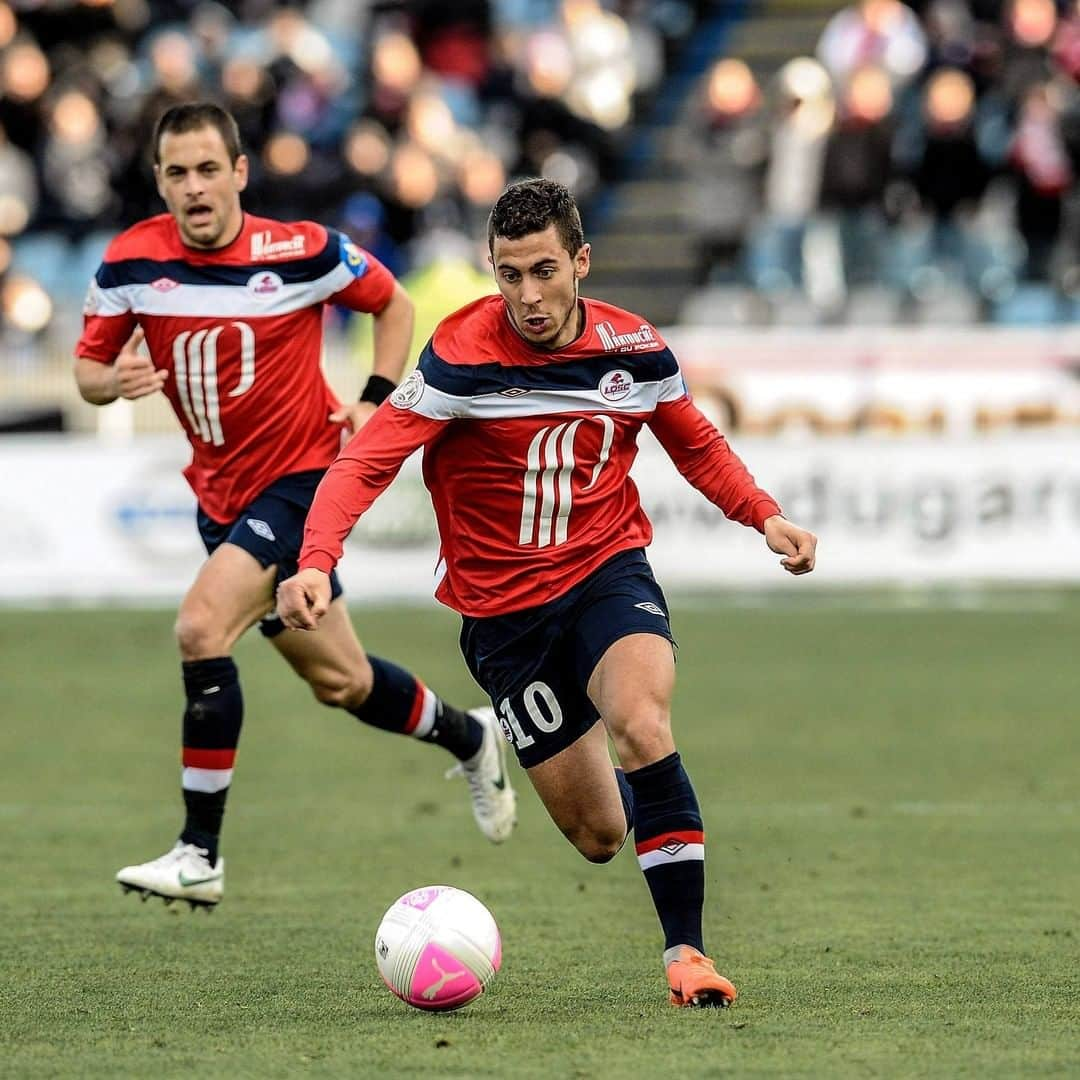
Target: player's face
[
  {"x": 538, "y": 279},
  {"x": 201, "y": 186}
]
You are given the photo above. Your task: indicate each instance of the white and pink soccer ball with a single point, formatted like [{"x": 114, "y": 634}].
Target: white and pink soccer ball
[{"x": 438, "y": 948}]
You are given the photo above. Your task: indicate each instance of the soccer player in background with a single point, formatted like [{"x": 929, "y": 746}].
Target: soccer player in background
[
  {"x": 528, "y": 406},
  {"x": 230, "y": 307}
]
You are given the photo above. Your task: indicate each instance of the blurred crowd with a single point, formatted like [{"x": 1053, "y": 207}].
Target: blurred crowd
[
  {"x": 921, "y": 166},
  {"x": 399, "y": 122}
]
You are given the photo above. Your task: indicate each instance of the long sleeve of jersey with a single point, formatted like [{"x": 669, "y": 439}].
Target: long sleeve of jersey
[
  {"x": 363, "y": 469},
  {"x": 704, "y": 457}
]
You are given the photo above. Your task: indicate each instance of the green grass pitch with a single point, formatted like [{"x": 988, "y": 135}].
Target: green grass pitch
[{"x": 891, "y": 797}]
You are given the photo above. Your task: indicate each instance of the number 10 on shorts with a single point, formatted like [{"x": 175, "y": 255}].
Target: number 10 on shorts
[{"x": 543, "y": 709}]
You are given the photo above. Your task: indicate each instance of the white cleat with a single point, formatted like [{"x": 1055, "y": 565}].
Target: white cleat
[
  {"x": 184, "y": 873},
  {"x": 493, "y": 799}
]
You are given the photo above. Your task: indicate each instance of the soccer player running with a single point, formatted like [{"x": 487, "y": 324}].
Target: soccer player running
[
  {"x": 230, "y": 307},
  {"x": 528, "y": 406}
]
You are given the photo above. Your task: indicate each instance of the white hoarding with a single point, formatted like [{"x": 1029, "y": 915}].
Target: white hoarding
[{"x": 83, "y": 520}]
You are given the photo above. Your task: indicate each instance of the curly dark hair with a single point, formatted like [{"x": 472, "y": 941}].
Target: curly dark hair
[
  {"x": 530, "y": 206},
  {"x": 192, "y": 116}
]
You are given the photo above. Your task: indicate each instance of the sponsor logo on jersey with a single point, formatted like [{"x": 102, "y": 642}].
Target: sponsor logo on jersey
[
  {"x": 262, "y": 247},
  {"x": 260, "y": 528},
  {"x": 644, "y": 337},
  {"x": 513, "y": 391},
  {"x": 615, "y": 385},
  {"x": 164, "y": 284},
  {"x": 352, "y": 257},
  {"x": 409, "y": 392},
  {"x": 651, "y": 608},
  {"x": 264, "y": 283}
]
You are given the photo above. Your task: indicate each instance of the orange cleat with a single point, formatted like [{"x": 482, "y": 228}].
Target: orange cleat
[{"x": 695, "y": 983}]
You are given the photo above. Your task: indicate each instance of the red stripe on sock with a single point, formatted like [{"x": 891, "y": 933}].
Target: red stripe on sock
[
  {"x": 417, "y": 709},
  {"x": 643, "y": 847},
  {"x": 208, "y": 759}
]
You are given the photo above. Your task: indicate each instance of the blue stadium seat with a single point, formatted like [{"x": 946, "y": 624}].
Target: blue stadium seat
[
  {"x": 1031, "y": 304},
  {"x": 44, "y": 256}
]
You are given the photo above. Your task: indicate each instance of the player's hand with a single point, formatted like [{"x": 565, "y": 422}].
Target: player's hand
[
  {"x": 134, "y": 371},
  {"x": 798, "y": 546},
  {"x": 303, "y": 599},
  {"x": 354, "y": 417}
]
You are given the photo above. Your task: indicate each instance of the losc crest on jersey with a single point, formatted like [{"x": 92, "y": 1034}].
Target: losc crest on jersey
[{"x": 409, "y": 392}]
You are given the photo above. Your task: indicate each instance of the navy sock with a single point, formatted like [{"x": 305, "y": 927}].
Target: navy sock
[
  {"x": 211, "y": 731},
  {"x": 670, "y": 844},
  {"x": 401, "y": 703}
]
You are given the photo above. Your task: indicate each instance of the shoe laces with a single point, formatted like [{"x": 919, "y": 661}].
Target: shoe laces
[
  {"x": 184, "y": 850},
  {"x": 476, "y": 777}
]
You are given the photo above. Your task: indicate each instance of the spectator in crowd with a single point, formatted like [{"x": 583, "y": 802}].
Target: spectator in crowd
[
  {"x": 18, "y": 187},
  {"x": 857, "y": 170},
  {"x": 1044, "y": 175},
  {"x": 726, "y": 151},
  {"x": 804, "y": 115},
  {"x": 885, "y": 33}
]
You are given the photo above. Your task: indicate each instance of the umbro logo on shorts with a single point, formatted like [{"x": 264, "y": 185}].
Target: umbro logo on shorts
[
  {"x": 651, "y": 608},
  {"x": 260, "y": 528}
]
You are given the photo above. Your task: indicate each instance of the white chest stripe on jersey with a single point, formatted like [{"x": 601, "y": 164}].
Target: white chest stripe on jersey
[
  {"x": 436, "y": 404},
  {"x": 224, "y": 301}
]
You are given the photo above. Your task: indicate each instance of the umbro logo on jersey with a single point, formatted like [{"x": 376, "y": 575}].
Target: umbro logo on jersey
[
  {"x": 513, "y": 391},
  {"x": 260, "y": 528},
  {"x": 164, "y": 284},
  {"x": 651, "y": 608}
]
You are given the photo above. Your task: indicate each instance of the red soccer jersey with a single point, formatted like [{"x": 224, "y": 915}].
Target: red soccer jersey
[
  {"x": 527, "y": 454},
  {"x": 239, "y": 330}
]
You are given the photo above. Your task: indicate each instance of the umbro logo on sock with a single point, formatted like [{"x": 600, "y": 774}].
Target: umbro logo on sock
[{"x": 672, "y": 846}]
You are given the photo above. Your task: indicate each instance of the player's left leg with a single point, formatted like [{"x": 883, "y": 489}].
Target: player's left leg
[
  {"x": 380, "y": 693},
  {"x": 631, "y": 687}
]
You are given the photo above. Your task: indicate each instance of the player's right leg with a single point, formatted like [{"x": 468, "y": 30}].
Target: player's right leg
[
  {"x": 631, "y": 687},
  {"x": 381, "y": 693},
  {"x": 230, "y": 593}
]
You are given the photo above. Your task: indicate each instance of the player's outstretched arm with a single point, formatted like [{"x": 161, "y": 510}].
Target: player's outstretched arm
[
  {"x": 303, "y": 599},
  {"x": 393, "y": 337},
  {"x": 132, "y": 375},
  {"x": 798, "y": 546}
]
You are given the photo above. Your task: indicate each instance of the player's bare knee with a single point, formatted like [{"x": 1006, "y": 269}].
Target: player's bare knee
[
  {"x": 342, "y": 689},
  {"x": 644, "y": 738},
  {"x": 197, "y": 636},
  {"x": 332, "y": 688},
  {"x": 597, "y": 844}
]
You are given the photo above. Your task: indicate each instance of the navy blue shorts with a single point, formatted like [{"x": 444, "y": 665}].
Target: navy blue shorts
[
  {"x": 535, "y": 664},
  {"x": 271, "y": 528}
]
